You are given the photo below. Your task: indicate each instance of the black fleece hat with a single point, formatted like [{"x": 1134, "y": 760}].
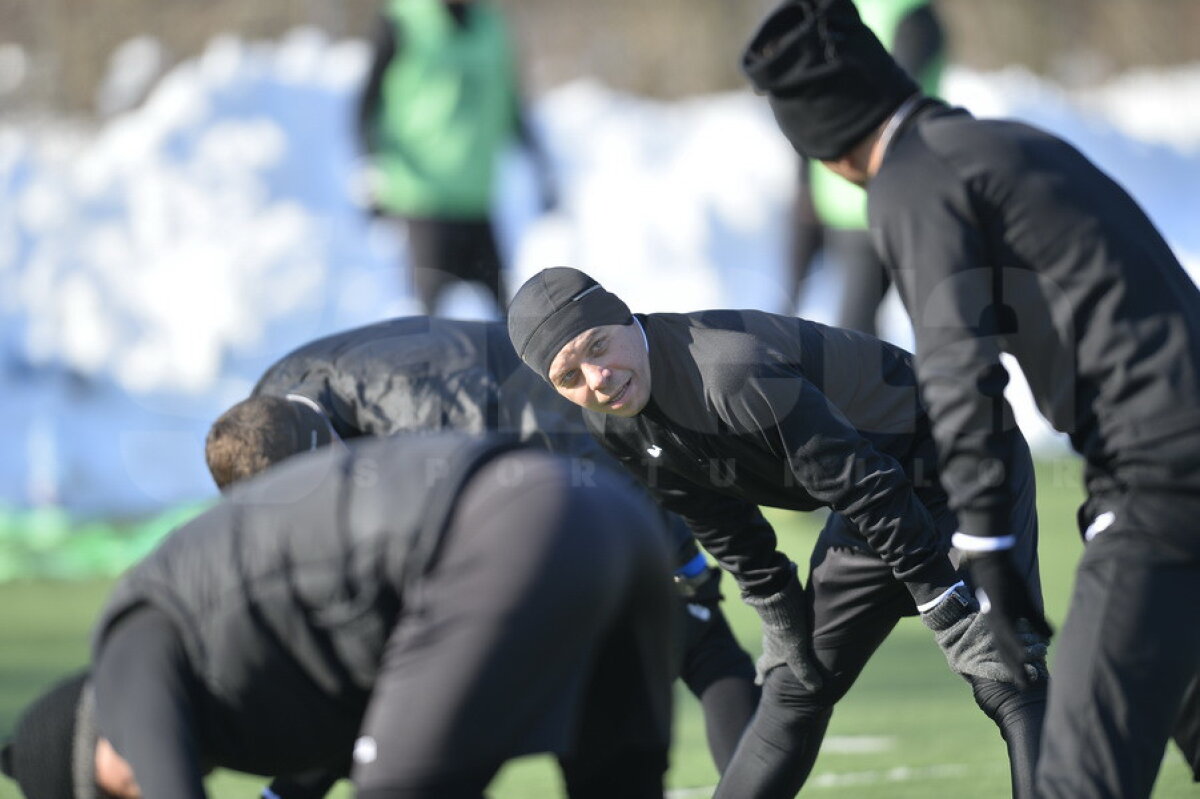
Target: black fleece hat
[
  {"x": 553, "y": 307},
  {"x": 52, "y": 752},
  {"x": 828, "y": 78}
]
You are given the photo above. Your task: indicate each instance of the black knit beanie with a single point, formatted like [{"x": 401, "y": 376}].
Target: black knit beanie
[
  {"x": 52, "y": 751},
  {"x": 829, "y": 80},
  {"x": 553, "y": 307}
]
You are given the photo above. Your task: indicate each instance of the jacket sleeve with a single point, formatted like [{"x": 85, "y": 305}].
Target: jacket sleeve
[
  {"x": 936, "y": 250},
  {"x": 732, "y": 530},
  {"x": 145, "y": 705},
  {"x": 827, "y": 456}
]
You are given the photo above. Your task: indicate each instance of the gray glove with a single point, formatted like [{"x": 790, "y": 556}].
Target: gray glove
[
  {"x": 786, "y": 637},
  {"x": 966, "y": 640}
]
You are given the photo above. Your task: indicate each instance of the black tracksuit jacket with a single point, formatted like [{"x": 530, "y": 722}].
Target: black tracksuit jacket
[
  {"x": 285, "y": 596},
  {"x": 749, "y": 408},
  {"x": 1004, "y": 238}
]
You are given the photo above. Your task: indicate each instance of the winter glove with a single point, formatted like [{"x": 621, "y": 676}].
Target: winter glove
[
  {"x": 787, "y": 639},
  {"x": 1005, "y": 602},
  {"x": 971, "y": 649}
]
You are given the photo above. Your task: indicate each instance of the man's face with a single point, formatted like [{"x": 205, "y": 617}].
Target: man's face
[{"x": 605, "y": 369}]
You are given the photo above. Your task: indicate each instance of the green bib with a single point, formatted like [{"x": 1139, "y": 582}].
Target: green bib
[{"x": 448, "y": 109}]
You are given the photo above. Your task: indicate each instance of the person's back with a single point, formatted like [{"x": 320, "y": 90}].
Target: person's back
[
  {"x": 1103, "y": 319},
  {"x": 330, "y": 538},
  {"x": 375, "y": 611},
  {"x": 418, "y": 373}
]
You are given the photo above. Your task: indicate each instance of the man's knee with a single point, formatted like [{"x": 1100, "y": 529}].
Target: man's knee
[
  {"x": 1004, "y": 702},
  {"x": 789, "y": 702}
]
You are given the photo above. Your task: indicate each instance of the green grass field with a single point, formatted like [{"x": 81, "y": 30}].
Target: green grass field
[{"x": 909, "y": 728}]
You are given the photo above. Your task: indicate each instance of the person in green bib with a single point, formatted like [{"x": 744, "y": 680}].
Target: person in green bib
[
  {"x": 830, "y": 212},
  {"x": 441, "y": 103}
]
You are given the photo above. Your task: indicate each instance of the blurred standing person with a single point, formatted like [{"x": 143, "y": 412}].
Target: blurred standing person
[
  {"x": 830, "y": 211},
  {"x": 1003, "y": 238},
  {"x": 442, "y": 101}
]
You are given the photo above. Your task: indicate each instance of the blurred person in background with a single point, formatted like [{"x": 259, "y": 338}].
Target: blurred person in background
[
  {"x": 720, "y": 412},
  {"x": 441, "y": 104},
  {"x": 414, "y": 611},
  {"x": 830, "y": 211},
  {"x": 1003, "y": 238},
  {"x": 426, "y": 375}
]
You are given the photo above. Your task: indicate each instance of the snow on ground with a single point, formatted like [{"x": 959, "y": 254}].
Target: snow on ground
[{"x": 150, "y": 268}]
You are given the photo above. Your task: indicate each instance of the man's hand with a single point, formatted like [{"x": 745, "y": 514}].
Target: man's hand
[
  {"x": 971, "y": 647},
  {"x": 1009, "y": 609},
  {"x": 787, "y": 639}
]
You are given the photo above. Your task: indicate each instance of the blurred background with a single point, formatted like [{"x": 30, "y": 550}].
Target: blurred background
[
  {"x": 56, "y": 55},
  {"x": 182, "y": 202}
]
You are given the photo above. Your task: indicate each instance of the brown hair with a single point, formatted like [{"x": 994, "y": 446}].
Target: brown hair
[{"x": 249, "y": 437}]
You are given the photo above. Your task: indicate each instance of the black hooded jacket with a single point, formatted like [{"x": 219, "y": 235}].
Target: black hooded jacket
[
  {"x": 425, "y": 374},
  {"x": 749, "y": 408}
]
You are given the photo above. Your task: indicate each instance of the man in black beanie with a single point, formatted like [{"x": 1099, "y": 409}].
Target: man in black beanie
[
  {"x": 413, "y": 611},
  {"x": 719, "y": 412},
  {"x": 1004, "y": 238}
]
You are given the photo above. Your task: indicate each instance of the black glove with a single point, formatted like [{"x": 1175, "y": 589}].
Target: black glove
[
  {"x": 787, "y": 639},
  {"x": 1005, "y": 601}
]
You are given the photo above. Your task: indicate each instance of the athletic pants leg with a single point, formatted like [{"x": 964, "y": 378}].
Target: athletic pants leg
[
  {"x": 856, "y": 601},
  {"x": 1187, "y": 728},
  {"x": 717, "y": 670},
  {"x": 443, "y": 251},
  {"x": 544, "y": 626},
  {"x": 864, "y": 278},
  {"x": 1127, "y": 651}
]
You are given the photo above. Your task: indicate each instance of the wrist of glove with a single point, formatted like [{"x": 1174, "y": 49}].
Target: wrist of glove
[
  {"x": 970, "y": 647},
  {"x": 786, "y": 634}
]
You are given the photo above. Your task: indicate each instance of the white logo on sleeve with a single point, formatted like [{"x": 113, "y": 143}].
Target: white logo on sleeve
[
  {"x": 699, "y": 611},
  {"x": 654, "y": 450},
  {"x": 365, "y": 750},
  {"x": 1100, "y": 524}
]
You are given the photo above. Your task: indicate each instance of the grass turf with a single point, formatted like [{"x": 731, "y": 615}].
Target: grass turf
[{"x": 908, "y": 728}]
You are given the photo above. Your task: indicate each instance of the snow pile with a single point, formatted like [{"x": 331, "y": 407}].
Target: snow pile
[{"x": 150, "y": 269}]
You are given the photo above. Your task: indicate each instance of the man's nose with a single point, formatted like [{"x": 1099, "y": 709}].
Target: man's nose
[{"x": 596, "y": 375}]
